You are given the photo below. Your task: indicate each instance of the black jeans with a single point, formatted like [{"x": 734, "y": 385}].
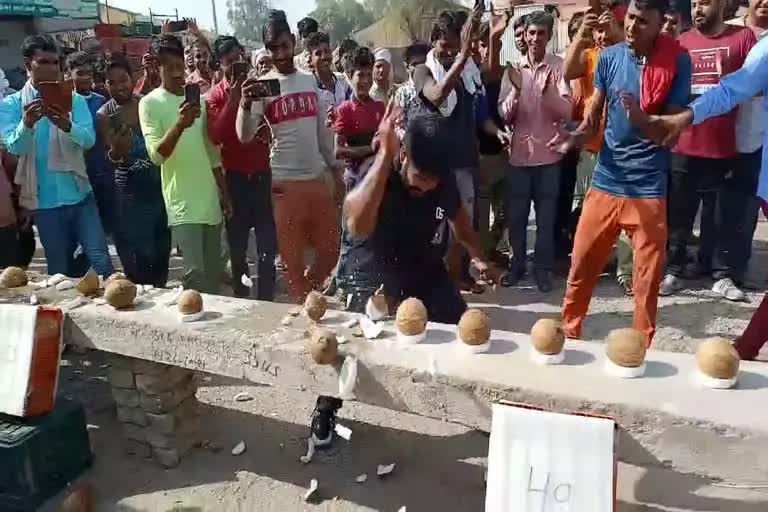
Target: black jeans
[
  {"x": 739, "y": 198},
  {"x": 17, "y": 246},
  {"x": 695, "y": 180},
  {"x": 540, "y": 184},
  {"x": 564, "y": 220},
  {"x": 252, "y": 209}
]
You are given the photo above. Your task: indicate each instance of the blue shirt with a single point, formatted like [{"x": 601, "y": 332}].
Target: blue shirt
[
  {"x": 737, "y": 88},
  {"x": 55, "y": 188},
  {"x": 629, "y": 165},
  {"x": 95, "y": 158}
]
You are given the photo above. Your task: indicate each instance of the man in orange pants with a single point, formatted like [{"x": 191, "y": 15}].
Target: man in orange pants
[{"x": 629, "y": 183}]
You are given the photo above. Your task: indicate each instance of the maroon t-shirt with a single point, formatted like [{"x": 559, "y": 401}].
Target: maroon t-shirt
[
  {"x": 712, "y": 59},
  {"x": 357, "y": 122}
]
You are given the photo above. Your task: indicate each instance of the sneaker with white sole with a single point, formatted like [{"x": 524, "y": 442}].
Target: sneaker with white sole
[
  {"x": 670, "y": 285},
  {"x": 728, "y": 290}
]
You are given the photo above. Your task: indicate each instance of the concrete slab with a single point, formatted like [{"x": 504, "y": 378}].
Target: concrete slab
[{"x": 666, "y": 419}]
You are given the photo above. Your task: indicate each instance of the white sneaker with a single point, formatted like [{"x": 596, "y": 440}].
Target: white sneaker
[
  {"x": 727, "y": 289},
  {"x": 670, "y": 285}
]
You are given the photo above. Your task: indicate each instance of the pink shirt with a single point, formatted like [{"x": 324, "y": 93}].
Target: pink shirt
[{"x": 536, "y": 113}]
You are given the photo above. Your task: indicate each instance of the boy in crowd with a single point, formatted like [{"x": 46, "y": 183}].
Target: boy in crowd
[
  {"x": 247, "y": 173},
  {"x": 630, "y": 178},
  {"x": 194, "y": 188},
  {"x": 335, "y": 86},
  {"x": 674, "y": 20},
  {"x": 415, "y": 55},
  {"x": 302, "y": 152},
  {"x": 305, "y": 28},
  {"x": 51, "y": 173},
  {"x": 79, "y": 66},
  {"x": 536, "y": 99},
  {"x": 703, "y": 160}
]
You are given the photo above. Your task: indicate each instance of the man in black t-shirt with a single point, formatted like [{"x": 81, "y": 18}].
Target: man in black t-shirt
[{"x": 395, "y": 220}]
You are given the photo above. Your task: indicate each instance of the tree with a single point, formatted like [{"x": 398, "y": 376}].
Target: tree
[
  {"x": 411, "y": 13},
  {"x": 246, "y": 17},
  {"x": 341, "y": 18}
]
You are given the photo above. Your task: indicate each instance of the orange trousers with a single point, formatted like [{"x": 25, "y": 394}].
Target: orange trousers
[
  {"x": 305, "y": 215},
  {"x": 602, "y": 219}
]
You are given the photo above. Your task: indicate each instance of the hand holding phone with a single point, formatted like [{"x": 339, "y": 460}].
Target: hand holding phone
[
  {"x": 188, "y": 113},
  {"x": 192, "y": 94},
  {"x": 57, "y": 95}
]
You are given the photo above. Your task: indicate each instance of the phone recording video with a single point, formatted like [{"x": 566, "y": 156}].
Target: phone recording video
[{"x": 192, "y": 93}]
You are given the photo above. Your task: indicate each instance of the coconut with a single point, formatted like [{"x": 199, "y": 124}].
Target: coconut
[
  {"x": 323, "y": 346},
  {"x": 411, "y": 318},
  {"x": 315, "y": 306},
  {"x": 474, "y": 327},
  {"x": 120, "y": 293},
  {"x": 626, "y": 348},
  {"x": 89, "y": 284},
  {"x": 190, "y": 302},
  {"x": 718, "y": 359},
  {"x": 376, "y": 308},
  {"x": 547, "y": 336},
  {"x": 13, "y": 277},
  {"x": 116, "y": 276}
]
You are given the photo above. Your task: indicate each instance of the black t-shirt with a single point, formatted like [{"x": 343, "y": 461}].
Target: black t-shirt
[
  {"x": 461, "y": 121},
  {"x": 490, "y": 145},
  {"x": 407, "y": 240}
]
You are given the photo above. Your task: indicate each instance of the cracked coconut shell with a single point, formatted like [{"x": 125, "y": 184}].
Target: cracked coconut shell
[
  {"x": 474, "y": 327},
  {"x": 411, "y": 318},
  {"x": 717, "y": 358},
  {"x": 13, "y": 277},
  {"x": 547, "y": 336},
  {"x": 626, "y": 347},
  {"x": 378, "y": 303},
  {"x": 89, "y": 284},
  {"x": 190, "y": 302},
  {"x": 117, "y": 276},
  {"x": 315, "y": 306},
  {"x": 120, "y": 293},
  {"x": 323, "y": 346}
]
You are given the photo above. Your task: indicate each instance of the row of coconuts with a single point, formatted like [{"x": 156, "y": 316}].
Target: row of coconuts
[
  {"x": 717, "y": 359},
  {"x": 119, "y": 292}
]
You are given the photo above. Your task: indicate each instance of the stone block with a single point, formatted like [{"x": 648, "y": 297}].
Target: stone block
[
  {"x": 167, "y": 402},
  {"x": 126, "y": 397},
  {"x": 134, "y": 433},
  {"x": 172, "y": 421},
  {"x": 135, "y": 415},
  {"x": 122, "y": 378},
  {"x": 168, "y": 458},
  {"x": 140, "y": 448},
  {"x": 149, "y": 368},
  {"x": 157, "y": 384}
]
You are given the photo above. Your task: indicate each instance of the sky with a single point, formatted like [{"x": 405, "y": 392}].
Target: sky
[{"x": 201, "y": 9}]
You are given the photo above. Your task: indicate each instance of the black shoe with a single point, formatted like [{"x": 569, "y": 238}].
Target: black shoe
[
  {"x": 324, "y": 420},
  {"x": 543, "y": 282},
  {"x": 511, "y": 278}
]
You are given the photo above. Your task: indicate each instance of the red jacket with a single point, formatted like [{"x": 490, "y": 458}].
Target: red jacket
[{"x": 235, "y": 156}]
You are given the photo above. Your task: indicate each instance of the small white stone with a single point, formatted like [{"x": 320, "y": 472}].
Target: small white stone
[
  {"x": 342, "y": 340},
  {"x": 243, "y": 397},
  {"x": 239, "y": 449},
  {"x": 65, "y": 285},
  {"x": 287, "y": 320},
  {"x": 361, "y": 478},
  {"x": 343, "y": 432},
  {"x": 33, "y": 300},
  {"x": 371, "y": 330},
  {"x": 246, "y": 281},
  {"x": 313, "y": 485},
  {"x": 385, "y": 469}
]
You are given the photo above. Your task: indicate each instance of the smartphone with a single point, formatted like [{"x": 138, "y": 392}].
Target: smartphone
[
  {"x": 270, "y": 88},
  {"x": 192, "y": 93},
  {"x": 239, "y": 69},
  {"x": 178, "y": 26},
  {"x": 57, "y": 94}
]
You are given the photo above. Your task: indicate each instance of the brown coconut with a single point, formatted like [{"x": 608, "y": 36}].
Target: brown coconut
[
  {"x": 411, "y": 318},
  {"x": 315, "y": 306},
  {"x": 89, "y": 284},
  {"x": 120, "y": 293},
  {"x": 474, "y": 327},
  {"x": 323, "y": 346},
  {"x": 13, "y": 277},
  {"x": 116, "y": 276},
  {"x": 190, "y": 302},
  {"x": 547, "y": 336},
  {"x": 626, "y": 347},
  {"x": 717, "y": 358}
]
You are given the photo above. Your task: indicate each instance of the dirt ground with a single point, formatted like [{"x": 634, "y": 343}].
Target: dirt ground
[{"x": 440, "y": 466}]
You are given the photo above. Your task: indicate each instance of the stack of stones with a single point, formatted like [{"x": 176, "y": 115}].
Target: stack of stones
[{"x": 157, "y": 407}]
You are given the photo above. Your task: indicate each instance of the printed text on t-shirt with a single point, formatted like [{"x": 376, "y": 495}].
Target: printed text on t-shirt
[{"x": 292, "y": 107}]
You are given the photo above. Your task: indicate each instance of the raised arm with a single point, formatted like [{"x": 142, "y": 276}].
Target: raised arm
[{"x": 575, "y": 64}]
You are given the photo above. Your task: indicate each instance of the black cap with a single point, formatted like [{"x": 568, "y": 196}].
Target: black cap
[{"x": 428, "y": 143}]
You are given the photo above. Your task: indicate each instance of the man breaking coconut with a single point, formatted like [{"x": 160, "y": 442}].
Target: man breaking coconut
[{"x": 394, "y": 217}]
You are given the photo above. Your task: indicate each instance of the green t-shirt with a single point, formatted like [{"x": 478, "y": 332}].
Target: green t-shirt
[{"x": 189, "y": 186}]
